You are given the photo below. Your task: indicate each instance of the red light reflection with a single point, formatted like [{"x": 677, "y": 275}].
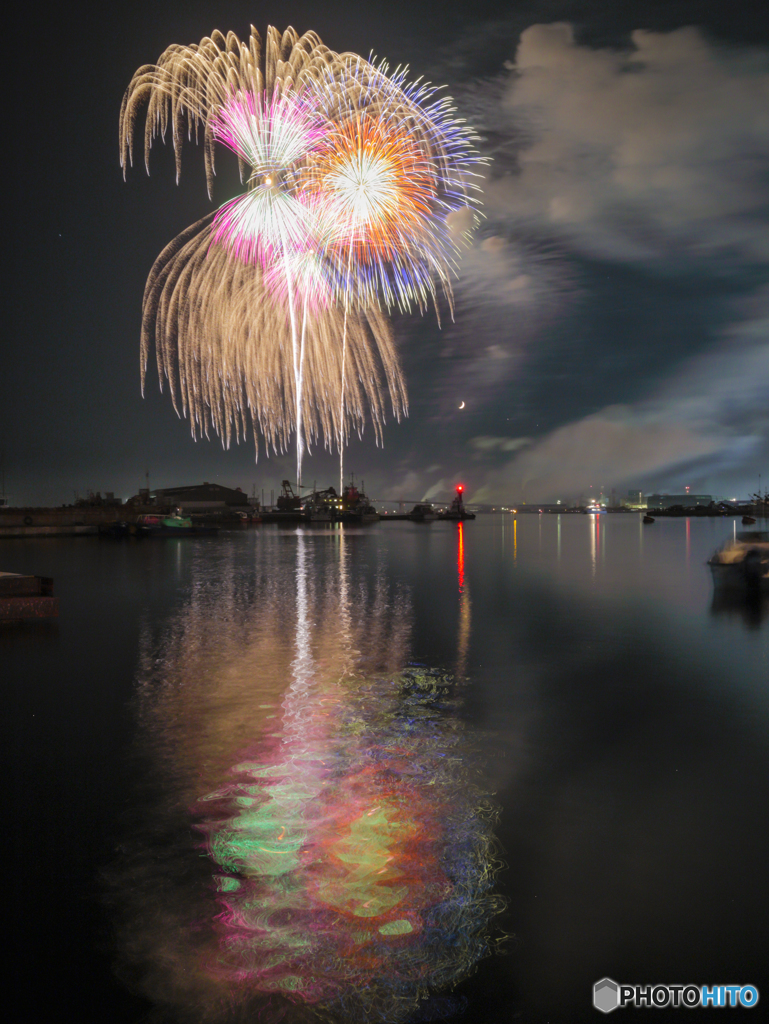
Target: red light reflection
[{"x": 461, "y": 558}]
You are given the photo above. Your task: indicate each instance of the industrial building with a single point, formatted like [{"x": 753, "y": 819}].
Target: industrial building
[
  {"x": 199, "y": 497},
  {"x": 684, "y": 500}
]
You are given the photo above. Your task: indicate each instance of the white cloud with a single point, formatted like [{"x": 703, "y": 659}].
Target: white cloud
[
  {"x": 653, "y": 154},
  {"x": 713, "y": 416},
  {"x": 500, "y": 444},
  {"x": 630, "y": 152}
]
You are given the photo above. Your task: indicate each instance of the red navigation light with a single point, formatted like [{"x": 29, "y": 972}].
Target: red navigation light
[{"x": 460, "y": 487}]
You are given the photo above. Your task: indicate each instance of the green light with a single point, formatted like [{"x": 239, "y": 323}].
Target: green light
[
  {"x": 396, "y": 928},
  {"x": 225, "y": 884}
]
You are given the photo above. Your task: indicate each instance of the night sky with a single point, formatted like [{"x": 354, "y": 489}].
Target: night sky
[{"x": 612, "y": 319}]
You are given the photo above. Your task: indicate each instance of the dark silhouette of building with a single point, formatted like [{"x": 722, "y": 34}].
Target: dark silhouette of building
[
  {"x": 684, "y": 500},
  {"x": 201, "y": 496}
]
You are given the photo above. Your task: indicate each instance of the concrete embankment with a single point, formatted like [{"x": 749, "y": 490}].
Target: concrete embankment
[
  {"x": 68, "y": 521},
  {"x": 47, "y": 531}
]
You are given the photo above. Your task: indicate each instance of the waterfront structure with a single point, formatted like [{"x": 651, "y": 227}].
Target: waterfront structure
[
  {"x": 684, "y": 500},
  {"x": 26, "y": 597},
  {"x": 201, "y": 496}
]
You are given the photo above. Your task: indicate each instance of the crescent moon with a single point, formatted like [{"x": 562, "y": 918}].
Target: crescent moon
[{"x": 462, "y": 405}]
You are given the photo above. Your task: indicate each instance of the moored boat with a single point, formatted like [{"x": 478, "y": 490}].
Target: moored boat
[
  {"x": 356, "y": 507},
  {"x": 170, "y": 526},
  {"x": 742, "y": 563},
  {"x": 252, "y": 516},
  {"x": 423, "y": 512},
  {"x": 117, "y": 529},
  {"x": 317, "y": 513}
]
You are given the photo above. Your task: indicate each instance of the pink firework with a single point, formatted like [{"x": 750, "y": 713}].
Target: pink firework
[{"x": 273, "y": 136}]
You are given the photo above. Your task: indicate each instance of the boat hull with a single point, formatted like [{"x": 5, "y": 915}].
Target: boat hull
[{"x": 740, "y": 576}]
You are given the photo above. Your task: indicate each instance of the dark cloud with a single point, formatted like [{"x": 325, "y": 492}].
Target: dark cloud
[{"x": 650, "y": 163}]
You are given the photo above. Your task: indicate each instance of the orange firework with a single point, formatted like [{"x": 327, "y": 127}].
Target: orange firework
[{"x": 376, "y": 187}]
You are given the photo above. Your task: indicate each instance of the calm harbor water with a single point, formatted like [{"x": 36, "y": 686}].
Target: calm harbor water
[{"x": 407, "y": 772}]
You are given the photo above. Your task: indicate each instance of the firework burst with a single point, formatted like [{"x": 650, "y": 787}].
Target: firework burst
[{"x": 350, "y": 175}]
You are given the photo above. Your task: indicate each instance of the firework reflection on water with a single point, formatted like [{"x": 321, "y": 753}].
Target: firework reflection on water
[{"x": 313, "y": 840}]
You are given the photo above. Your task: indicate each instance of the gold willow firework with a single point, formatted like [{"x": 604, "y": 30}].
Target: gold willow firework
[
  {"x": 221, "y": 341},
  {"x": 351, "y": 176}
]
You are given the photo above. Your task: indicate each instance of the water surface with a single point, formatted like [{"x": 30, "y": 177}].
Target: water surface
[{"x": 406, "y": 772}]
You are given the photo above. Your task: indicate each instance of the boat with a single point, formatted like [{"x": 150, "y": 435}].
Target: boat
[
  {"x": 743, "y": 562},
  {"x": 423, "y": 512},
  {"x": 648, "y": 519},
  {"x": 117, "y": 529},
  {"x": 456, "y": 512},
  {"x": 26, "y": 597},
  {"x": 176, "y": 522},
  {"x": 174, "y": 525},
  {"x": 249, "y": 517},
  {"x": 147, "y": 524},
  {"x": 356, "y": 507},
  {"x": 748, "y": 521},
  {"x": 363, "y": 513},
  {"x": 317, "y": 513}
]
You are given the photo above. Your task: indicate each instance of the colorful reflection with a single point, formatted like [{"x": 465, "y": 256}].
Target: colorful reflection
[{"x": 348, "y": 859}]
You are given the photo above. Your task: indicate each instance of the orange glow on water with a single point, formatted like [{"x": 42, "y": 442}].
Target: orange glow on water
[{"x": 688, "y": 536}]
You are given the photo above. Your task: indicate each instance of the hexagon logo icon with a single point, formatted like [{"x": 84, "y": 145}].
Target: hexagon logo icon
[{"x": 606, "y": 995}]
